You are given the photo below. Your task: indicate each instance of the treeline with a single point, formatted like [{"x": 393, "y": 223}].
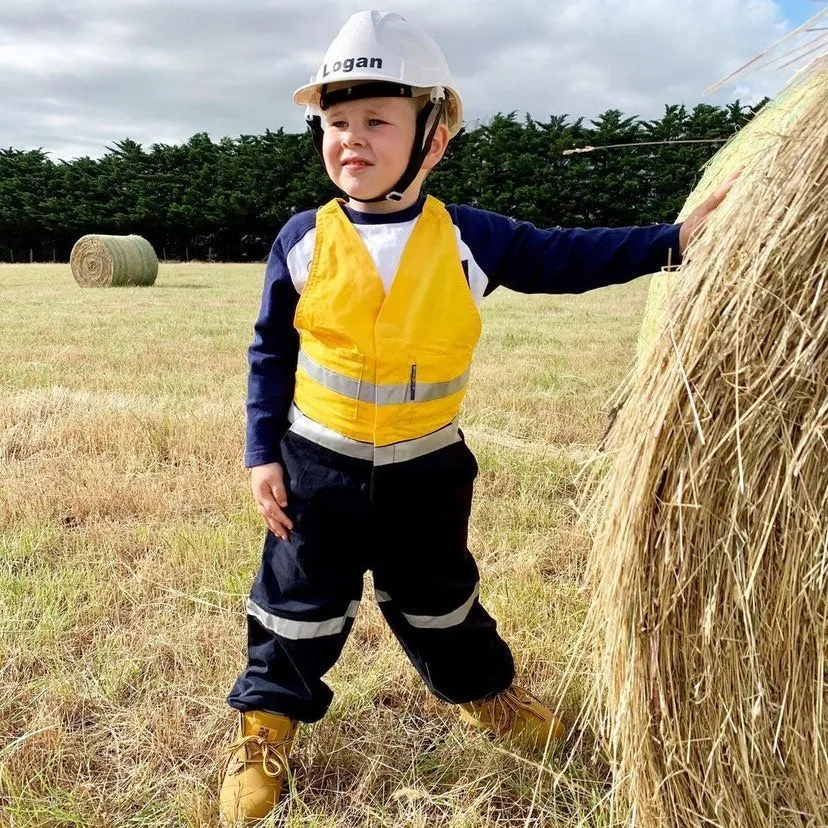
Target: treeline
[{"x": 226, "y": 200}]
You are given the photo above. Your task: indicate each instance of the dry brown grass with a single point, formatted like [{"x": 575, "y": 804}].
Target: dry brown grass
[
  {"x": 128, "y": 542},
  {"x": 711, "y": 553}
]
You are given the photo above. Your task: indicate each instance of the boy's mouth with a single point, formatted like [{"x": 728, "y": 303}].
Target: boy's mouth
[{"x": 356, "y": 162}]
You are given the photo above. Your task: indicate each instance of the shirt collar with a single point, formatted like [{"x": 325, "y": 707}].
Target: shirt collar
[{"x": 408, "y": 214}]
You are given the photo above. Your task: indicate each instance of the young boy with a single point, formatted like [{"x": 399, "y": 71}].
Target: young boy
[{"x": 361, "y": 356}]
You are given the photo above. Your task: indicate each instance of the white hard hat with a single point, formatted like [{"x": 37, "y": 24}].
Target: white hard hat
[{"x": 382, "y": 46}]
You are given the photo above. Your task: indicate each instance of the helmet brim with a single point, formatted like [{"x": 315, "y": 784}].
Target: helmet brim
[{"x": 309, "y": 94}]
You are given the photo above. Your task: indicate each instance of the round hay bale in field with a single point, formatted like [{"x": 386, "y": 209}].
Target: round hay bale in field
[
  {"x": 113, "y": 261},
  {"x": 710, "y": 561},
  {"x": 748, "y": 145}
]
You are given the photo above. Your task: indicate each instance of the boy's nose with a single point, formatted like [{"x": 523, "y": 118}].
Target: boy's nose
[{"x": 352, "y": 139}]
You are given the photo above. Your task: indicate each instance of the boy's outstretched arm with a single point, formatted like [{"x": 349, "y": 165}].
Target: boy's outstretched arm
[{"x": 529, "y": 259}]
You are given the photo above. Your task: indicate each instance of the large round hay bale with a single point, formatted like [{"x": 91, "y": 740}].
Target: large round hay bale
[
  {"x": 113, "y": 261},
  {"x": 710, "y": 559},
  {"x": 748, "y": 145}
]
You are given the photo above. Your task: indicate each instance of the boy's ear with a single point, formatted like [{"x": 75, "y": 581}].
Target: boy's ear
[{"x": 439, "y": 144}]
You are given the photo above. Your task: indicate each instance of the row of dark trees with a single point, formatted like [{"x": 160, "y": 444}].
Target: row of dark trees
[{"x": 226, "y": 200}]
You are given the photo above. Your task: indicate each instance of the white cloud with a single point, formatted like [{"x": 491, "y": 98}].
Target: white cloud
[{"x": 78, "y": 75}]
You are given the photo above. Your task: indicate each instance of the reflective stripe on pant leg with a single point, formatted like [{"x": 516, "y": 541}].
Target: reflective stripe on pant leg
[
  {"x": 436, "y": 622},
  {"x": 298, "y": 630}
]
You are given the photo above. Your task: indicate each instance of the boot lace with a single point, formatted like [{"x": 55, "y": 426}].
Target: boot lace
[{"x": 271, "y": 753}]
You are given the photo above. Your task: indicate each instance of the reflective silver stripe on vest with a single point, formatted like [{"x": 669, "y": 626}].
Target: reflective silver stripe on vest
[
  {"x": 297, "y": 630},
  {"x": 379, "y": 455},
  {"x": 381, "y": 394},
  {"x": 436, "y": 622}
]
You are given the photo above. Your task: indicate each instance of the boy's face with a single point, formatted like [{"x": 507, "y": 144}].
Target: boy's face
[{"x": 367, "y": 144}]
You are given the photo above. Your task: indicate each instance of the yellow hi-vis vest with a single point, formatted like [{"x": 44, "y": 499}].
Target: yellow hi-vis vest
[{"x": 389, "y": 371}]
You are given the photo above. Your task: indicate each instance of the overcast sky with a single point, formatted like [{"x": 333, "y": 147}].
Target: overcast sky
[{"x": 77, "y": 75}]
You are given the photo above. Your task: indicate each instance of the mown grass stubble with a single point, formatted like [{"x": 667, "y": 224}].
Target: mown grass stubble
[{"x": 128, "y": 542}]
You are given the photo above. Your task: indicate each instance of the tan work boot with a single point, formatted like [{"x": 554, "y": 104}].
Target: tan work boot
[
  {"x": 256, "y": 767},
  {"x": 514, "y": 713}
]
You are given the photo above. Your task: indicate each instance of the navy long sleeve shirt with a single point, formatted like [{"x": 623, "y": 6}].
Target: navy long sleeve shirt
[{"x": 494, "y": 250}]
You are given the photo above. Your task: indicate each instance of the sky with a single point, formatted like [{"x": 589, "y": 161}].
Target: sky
[{"x": 78, "y": 75}]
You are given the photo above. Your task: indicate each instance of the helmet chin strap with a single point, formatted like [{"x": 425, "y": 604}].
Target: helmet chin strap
[{"x": 419, "y": 149}]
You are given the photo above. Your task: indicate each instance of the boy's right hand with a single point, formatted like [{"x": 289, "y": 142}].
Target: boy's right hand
[{"x": 268, "y": 483}]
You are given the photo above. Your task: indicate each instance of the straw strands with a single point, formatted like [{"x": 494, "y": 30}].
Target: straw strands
[
  {"x": 113, "y": 261},
  {"x": 805, "y": 44},
  {"x": 710, "y": 559},
  {"x": 748, "y": 145}
]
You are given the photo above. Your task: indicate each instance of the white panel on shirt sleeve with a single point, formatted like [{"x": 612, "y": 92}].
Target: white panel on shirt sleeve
[
  {"x": 478, "y": 280},
  {"x": 299, "y": 259}
]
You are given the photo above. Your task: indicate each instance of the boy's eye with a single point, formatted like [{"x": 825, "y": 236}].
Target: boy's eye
[{"x": 372, "y": 122}]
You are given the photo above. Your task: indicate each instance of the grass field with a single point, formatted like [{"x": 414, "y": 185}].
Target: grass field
[{"x": 128, "y": 541}]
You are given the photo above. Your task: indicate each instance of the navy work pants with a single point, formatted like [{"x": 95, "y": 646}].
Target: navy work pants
[{"x": 405, "y": 522}]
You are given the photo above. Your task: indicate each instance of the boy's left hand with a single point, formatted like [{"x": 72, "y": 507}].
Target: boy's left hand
[{"x": 693, "y": 224}]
